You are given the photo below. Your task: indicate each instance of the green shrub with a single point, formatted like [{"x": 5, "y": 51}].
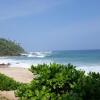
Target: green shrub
[
  {"x": 88, "y": 88},
  {"x": 60, "y": 82},
  {"x": 7, "y": 83}
]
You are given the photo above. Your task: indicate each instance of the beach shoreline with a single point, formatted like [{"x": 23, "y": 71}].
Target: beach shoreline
[{"x": 86, "y": 68}]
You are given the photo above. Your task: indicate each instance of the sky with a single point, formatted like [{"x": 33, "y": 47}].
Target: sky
[{"x": 41, "y": 25}]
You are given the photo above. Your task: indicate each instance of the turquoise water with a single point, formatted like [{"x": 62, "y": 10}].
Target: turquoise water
[{"x": 76, "y": 57}]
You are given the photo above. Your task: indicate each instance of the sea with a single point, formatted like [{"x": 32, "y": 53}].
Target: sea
[{"x": 87, "y": 60}]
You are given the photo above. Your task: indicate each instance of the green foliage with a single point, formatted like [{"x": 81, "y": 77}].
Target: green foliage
[
  {"x": 9, "y": 48},
  {"x": 89, "y": 87},
  {"x": 7, "y": 83},
  {"x": 60, "y": 82}
]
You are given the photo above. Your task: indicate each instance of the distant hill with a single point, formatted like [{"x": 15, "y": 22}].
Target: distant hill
[{"x": 10, "y": 48}]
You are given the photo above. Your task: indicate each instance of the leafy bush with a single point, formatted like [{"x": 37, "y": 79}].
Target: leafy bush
[
  {"x": 7, "y": 83},
  {"x": 9, "y": 48},
  {"x": 60, "y": 82}
]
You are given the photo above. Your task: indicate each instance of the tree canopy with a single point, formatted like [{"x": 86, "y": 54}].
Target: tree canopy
[{"x": 10, "y": 48}]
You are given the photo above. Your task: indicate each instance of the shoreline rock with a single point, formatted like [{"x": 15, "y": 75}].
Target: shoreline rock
[{"x": 3, "y": 65}]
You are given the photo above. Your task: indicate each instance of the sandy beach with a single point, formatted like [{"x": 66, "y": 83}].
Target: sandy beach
[{"x": 19, "y": 74}]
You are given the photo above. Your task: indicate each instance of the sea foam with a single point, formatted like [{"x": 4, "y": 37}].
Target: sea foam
[
  {"x": 37, "y": 54},
  {"x": 88, "y": 60}
]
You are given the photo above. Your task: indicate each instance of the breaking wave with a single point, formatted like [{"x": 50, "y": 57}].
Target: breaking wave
[{"x": 38, "y": 54}]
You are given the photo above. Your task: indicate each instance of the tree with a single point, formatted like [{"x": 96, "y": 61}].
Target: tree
[{"x": 10, "y": 48}]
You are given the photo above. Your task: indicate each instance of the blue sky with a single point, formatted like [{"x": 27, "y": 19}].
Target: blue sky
[{"x": 51, "y": 24}]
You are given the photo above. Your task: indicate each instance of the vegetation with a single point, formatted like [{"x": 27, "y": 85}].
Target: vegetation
[
  {"x": 60, "y": 82},
  {"x": 9, "y": 48},
  {"x": 7, "y": 83}
]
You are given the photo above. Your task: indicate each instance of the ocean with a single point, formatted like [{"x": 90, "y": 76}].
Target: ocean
[{"x": 88, "y": 60}]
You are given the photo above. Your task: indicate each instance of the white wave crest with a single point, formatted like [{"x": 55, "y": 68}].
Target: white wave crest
[
  {"x": 6, "y": 61},
  {"x": 37, "y": 54}
]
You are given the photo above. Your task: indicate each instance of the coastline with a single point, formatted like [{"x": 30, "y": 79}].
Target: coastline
[
  {"x": 87, "y": 60},
  {"x": 86, "y": 68},
  {"x": 23, "y": 66}
]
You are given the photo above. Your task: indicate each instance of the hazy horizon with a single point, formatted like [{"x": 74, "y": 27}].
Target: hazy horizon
[{"x": 47, "y": 25}]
